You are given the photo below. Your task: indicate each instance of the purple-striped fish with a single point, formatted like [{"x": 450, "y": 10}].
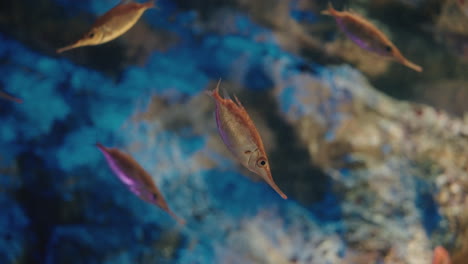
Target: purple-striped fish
[
  {"x": 136, "y": 178},
  {"x": 368, "y": 36}
]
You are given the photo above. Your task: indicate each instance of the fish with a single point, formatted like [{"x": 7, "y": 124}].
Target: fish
[
  {"x": 136, "y": 178},
  {"x": 441, "y": 256},
  {"x": 5, "y": 95},
  {"x": 241, "y": 137},
  {"x": 463, "y": 4},
  {"x": 112, "y": 24},
  {"x": 367, "y": 36}
]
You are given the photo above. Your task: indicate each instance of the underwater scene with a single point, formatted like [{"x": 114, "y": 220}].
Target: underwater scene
[{"x": 234, "y": 131}]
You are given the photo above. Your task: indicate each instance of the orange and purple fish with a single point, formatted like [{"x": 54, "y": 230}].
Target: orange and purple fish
[
  {"x": 441, "y": 256},
  {"x": 241, "y": 137},
  {"x": 9, "y": 97},
  {"x": 135, "y": 177},
  {"x": 112, "y": 24},
  {"x": 368, "y": 36}
]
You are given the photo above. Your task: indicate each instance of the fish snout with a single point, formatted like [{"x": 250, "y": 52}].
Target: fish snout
[{"x": 265, "y": 173}]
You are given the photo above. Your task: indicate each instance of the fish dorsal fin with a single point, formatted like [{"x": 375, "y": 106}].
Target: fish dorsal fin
[
  {"x": 225, "y": 94},
  {"x": 238, "y": 102}
]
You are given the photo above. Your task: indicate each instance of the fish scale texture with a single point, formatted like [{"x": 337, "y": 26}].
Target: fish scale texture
[{"x": 61, "y": 195}]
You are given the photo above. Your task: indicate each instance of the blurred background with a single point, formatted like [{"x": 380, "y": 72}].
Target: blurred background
[{"x": 372, "y": 155}]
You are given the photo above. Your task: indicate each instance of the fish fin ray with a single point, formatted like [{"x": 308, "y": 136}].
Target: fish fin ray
[
  {"x": 215, "y": 92},
  {"x": 330, "y": 11},
  {"x": 226, "y": 94},
  {"x": 238, "y": 102}
]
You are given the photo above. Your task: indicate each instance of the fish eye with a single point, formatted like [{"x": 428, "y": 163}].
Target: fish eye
[
  {"x": 261, "y": 162},
  {"x": 155, "y": 196},
  {"x": 91, "y": 35},
  {"x": 388, "y": 48}
]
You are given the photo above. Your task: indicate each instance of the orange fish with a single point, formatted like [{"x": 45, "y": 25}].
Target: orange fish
[
  {"x": 135, "y": 178},
  {"x": 367, "y": 36},
  {"x": 112, "y": 24},
  {"x": 240, "y": 135},
  {"x": 441, "y": 256},
  {"x": 10, "y": 97}
]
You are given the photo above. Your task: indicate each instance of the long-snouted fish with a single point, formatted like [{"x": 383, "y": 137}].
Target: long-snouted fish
[
  {"x": 112, "y": 24},
  {"x": 241, "y": 137},
  {"x": 368, "y": 36},
  {"x": 136, "y": 178},
  {"x": 9, "y": 97}
]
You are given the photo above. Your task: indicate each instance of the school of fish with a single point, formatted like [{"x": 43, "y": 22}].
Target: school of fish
[{"x": 235, "y": 127}]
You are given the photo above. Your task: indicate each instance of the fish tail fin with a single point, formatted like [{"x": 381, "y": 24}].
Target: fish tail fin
[
  {"x": 331, "y": 11},
  {"x": 215, "y": 93}
]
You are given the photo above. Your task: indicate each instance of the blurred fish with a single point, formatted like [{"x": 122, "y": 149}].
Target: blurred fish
[
  {"x": 463, "y": 4},
  {"x": 10, "y": 97},
  {"x": 242, "y": 138},
  {"x": 367, "y": 36},
  {"x": 441, "y": 256},
  {"x": 112, "y": 24},
  {"x": 135, "y": 178}
]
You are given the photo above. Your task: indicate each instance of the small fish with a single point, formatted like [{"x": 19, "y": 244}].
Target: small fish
[
  {"x": 441, "y": 256},
  {"x": 367, "y": 36},
  {"x": 463, "y": 4},
  {"x": 241, "y": 137},
  {"x": 135, "y": 178},
  {"x": 112, "y": 24},
  {"x": 10, "y": 97}
]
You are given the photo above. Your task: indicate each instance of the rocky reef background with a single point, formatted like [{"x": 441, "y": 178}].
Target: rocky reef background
[{"x": 372, "y": 155}]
